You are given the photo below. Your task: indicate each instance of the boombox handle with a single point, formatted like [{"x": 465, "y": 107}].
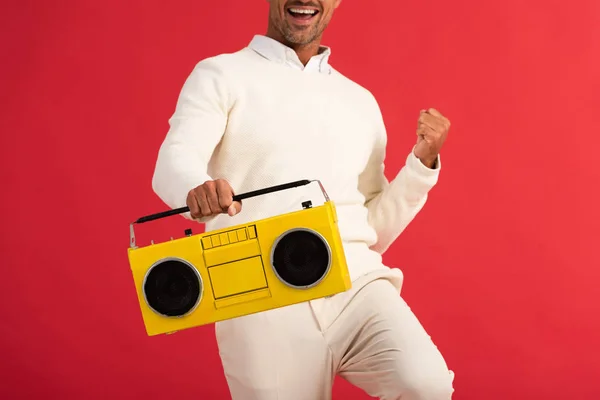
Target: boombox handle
[{"x": 238, "y": 197}]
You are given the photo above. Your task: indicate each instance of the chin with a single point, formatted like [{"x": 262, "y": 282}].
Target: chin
[
  {"x": 298, "y": 40},
  {"x": 299, "y": 37}
]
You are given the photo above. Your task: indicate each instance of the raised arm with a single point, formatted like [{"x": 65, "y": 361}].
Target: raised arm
[
  {"x": 196, "y": 128},
  {"x": 393, "y": 205}
]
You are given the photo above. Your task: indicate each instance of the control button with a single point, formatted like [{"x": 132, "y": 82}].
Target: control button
[
  {"x": 188, "y": 232},
  {"x": 232, "y": 237},
  {"x": 206, "y": 242},
  {"x": 215, "y": 240},
  {"x": 224, "y": 239},
  {"x": 252, "y": 232},
  {"x": 241, "y": 234}
]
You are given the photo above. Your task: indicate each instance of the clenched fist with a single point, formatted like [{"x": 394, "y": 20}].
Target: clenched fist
[
  {"x": 432, "y": 131},
  {"x": 212, "y": 198}
]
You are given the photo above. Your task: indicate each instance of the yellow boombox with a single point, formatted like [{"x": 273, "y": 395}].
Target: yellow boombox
[{"x": 227, "y": 273}]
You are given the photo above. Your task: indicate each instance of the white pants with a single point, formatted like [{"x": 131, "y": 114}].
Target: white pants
[{"x": 368, "y": 335}]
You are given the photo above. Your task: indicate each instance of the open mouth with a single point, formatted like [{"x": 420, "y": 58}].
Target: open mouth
[{"x": 302, "y": 14}]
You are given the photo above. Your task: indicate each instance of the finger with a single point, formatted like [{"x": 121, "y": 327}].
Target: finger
[
  {"x": 225, "y": 194},
  {"x": 435, "y": 113},
  {"x": 444, "y": 121},
  {"x": 431, "y": 121},
  {"x": 203, "y": 202},
  {"x": 234, "y": 208},
  {"x": 213, "y": 200},
  {"x": 192, "y": 203},
  {"x": 421, "y": 123},
  {"x": 419, "y": 119},
  {"x": 427, "y": 133},
  {"x": 425, "y": 130}
]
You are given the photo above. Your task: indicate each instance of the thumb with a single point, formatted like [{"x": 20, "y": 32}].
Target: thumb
[
  {"x": 234, "y": 208},
  {"x": 420, "y": 148}
]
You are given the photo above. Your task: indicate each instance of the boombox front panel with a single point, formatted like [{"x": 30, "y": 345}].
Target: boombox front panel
[
  {"x": 315, "y": 222},
  {"x": 188, "y": 250},
  {"x": 237, "y": 277},
  {"x": 236, "y": 271}
]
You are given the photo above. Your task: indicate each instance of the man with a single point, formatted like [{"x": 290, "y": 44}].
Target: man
[{"x": 275, "y": 112}]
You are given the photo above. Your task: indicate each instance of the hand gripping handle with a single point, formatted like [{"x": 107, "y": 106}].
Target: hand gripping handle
[{"x": 238, "y": 197}]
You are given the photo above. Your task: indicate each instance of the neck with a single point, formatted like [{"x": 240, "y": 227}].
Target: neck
[{"x": 304, "y": 51}]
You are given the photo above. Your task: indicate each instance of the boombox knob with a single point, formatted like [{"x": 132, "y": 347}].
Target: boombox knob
[
  {"x": 307, "y": 204},
  {"x": 188, "y": 232}
]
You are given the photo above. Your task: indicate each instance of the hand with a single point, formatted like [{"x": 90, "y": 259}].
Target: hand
[
  {"x": 212, "y": 198},
  {"x": 432, "y": 131}
]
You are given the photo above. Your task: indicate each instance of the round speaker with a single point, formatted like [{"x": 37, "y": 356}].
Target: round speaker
[
  {"x": 301, "y": 258},
  {"x": 172, "y": 287}
]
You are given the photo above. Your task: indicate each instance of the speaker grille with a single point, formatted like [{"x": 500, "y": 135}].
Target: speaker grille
[
  {"x": 172, "y": 288},
  {"x": 301, "y": 258}
]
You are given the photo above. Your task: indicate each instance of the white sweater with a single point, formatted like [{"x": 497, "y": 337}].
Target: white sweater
[{"x": 258, "y": 118}]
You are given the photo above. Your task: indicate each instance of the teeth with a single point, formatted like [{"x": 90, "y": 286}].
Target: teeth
[{"x": 302, "y": 11}]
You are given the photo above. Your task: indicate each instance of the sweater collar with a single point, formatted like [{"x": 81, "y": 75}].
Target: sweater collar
[{"x": 275, "y": 51}]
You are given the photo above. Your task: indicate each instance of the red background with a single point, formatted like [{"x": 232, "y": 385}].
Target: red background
[{"x": 501, "y": 266}]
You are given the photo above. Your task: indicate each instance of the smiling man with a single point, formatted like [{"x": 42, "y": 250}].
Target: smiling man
[
  {"x": 300, "y": 25},
  {"x": 274, "y": 112}
]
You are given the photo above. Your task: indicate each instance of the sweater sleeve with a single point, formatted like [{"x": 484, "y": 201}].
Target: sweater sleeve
[
  {"x": 393, "y": 205},
  {"x": 195, "y": 129}
]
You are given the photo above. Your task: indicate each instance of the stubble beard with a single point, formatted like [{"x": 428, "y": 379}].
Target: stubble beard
[{"x": 301, "y": 38}]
